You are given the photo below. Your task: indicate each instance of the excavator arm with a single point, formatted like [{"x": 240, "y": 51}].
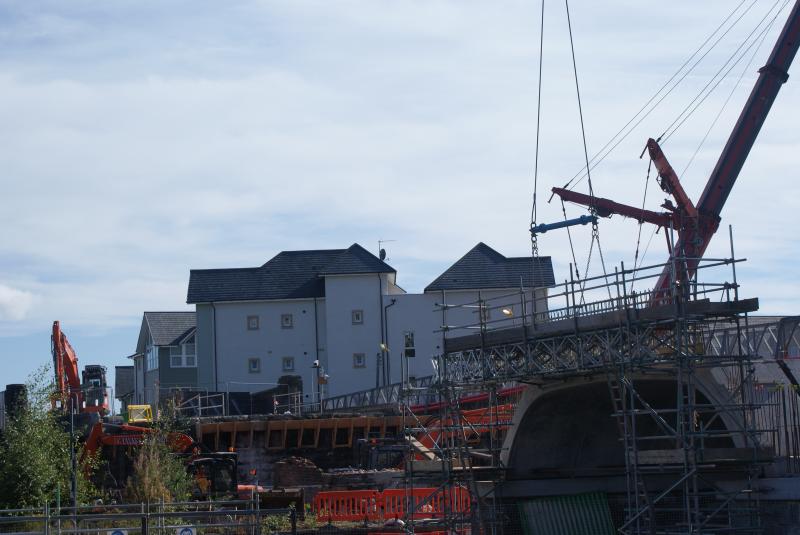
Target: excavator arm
[{"x": 65, "y": 363}]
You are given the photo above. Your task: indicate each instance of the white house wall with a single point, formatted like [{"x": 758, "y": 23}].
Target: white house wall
[
  {"x": 343, "y": 294},
  {"x": 417, "y": 313},
  {"x": 270, "y": 343},
  {"x": 422, "y": 314},
  {"x": 333, "y": 337}
]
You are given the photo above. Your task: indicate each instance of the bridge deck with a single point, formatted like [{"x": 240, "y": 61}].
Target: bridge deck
[{"x": 631, "y": 316}]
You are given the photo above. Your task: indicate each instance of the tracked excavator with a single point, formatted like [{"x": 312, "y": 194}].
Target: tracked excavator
[{"x": 84, "y": 397}]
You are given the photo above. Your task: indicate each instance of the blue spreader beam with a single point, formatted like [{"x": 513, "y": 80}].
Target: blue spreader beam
[{"x": 582, "y": 220}]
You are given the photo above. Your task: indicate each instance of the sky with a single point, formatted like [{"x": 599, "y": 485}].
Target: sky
[{"x": 142, "y": 139}]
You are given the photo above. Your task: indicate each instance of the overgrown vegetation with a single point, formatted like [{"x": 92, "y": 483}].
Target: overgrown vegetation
[
  {"x": 35, "y": 453},
  {"x": 157, "y": 473}
]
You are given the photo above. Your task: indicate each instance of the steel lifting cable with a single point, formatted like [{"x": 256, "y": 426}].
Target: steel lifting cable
[
  {"x": 727, "y": 100},
  {"x": 639, "y": 236},
  {"x": 669, "y": 131},
  {"x": 592, "y": 208},
  {"x": 647, "y": 247},
  {"x": 534, "y": 238},
  {"x": 582, "y": 173}
]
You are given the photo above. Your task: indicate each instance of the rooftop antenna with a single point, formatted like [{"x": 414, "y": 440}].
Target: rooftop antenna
[{"x": 381, "y": 250}]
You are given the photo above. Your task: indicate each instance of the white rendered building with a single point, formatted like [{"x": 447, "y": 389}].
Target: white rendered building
[{"x": 343, "y": 309}]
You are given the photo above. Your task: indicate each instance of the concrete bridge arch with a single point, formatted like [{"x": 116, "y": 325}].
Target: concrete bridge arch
[{"x": 566, "y": 429}]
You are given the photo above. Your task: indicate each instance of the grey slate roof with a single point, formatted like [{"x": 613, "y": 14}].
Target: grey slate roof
[
  {"x": 483, "y": 267},
  {"x": 169, "y": 328},
  {"x": 289, "y": 275},
  {"x": 123, "y": 381}
]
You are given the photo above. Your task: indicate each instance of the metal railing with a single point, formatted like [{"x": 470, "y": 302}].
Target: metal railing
[
  {"x": 383, "y": 396},
  {"x": 232, "y": 516},
  {"x": 574, "y": 298}
]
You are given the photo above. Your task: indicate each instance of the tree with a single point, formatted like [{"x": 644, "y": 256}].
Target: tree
[{"x": 35, "y": 453}]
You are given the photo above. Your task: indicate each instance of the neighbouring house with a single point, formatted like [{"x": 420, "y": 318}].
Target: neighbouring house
[
  {"x": 340, "y": 315},
  {"x": 490, "y": 287},
  {"x": 166, "y": 357}
]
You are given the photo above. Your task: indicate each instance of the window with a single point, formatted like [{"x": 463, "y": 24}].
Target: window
[
  {"x": 152, "y": 358},
  {"x": 176, "y": 357},
  {"x": 288, "y": 364},
  {"x": 358, "y": 317},
  {"x": 252, "y": 323},
  {"x": 287, "y": 322},
  {"x": 183, "y": 356},
  {"x": 189, "y": 355},
  {"x": 408, "y": 344},
  {"x": 359, "y": 360},
  {"x": 254, "y": 365}
]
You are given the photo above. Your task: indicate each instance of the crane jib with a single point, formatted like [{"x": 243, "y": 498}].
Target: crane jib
[{"x": 740, "y": 142}]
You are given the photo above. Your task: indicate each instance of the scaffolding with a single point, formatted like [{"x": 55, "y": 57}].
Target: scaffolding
[{"x": 690, "y": 466}]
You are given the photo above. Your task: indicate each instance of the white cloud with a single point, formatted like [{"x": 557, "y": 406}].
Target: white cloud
[{"x": 14, "y": 304}]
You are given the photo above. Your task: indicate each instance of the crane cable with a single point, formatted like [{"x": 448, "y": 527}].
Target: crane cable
[
  {"x": 581, "y": 174},
  {"x": 639, "y": 236},
  {"x": 763, "y": 36},
  {"x": 592, "y": 208},
  {"x": 534, "y": 238},
  {"x": 719, "y": 76},
  {"x": 690, "y": 108},
  {"x": 727, "y": 100}
]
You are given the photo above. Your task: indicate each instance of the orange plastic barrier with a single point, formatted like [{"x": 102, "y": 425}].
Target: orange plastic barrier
[
  {"x": 358, "y": 505},
  {"x": 394, "y": 502},
  {"x": 347, "y": 505}
]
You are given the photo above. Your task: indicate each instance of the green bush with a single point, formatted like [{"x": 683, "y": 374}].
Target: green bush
[{"x": 35, "y": 460}]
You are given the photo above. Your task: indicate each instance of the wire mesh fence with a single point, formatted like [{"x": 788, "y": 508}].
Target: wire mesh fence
[{"x": 241, "y": 517}]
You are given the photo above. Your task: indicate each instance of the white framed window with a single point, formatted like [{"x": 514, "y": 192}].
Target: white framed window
[
  {"x": 190, "y": 355},
  {"x": 287, "y": 321},
  {"x": 254, "y": 365},
  {"x": 408, "y": 344},
  {"x": 357, "y": 317},
  {"x": 359, "y": 360},
  {"x": 287, "y": 364},
  {"x": 152, "y": 358},
  {"x": 252, "y": 323},
  {"x": 183, "y": 356}
]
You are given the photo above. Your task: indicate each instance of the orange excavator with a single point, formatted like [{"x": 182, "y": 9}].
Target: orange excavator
[
  {"x": 214, "y": 473},
  {"x": 83, "y": 394}
]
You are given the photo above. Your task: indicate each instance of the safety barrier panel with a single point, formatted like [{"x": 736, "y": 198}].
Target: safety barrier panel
[
  {"x": 358, "y": 505},
  {"x": 347, "y": 505}
]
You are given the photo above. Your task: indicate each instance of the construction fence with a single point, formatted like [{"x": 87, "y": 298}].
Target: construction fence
[{"x": 186, "y": 518}]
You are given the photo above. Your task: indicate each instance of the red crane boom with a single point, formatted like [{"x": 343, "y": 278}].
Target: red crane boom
[
  {"x": 696, "y": 225},
  {"x": 770, "y": 79}
]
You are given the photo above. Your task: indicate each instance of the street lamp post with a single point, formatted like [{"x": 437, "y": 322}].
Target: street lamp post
[{"x": 318, "y": 368}]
